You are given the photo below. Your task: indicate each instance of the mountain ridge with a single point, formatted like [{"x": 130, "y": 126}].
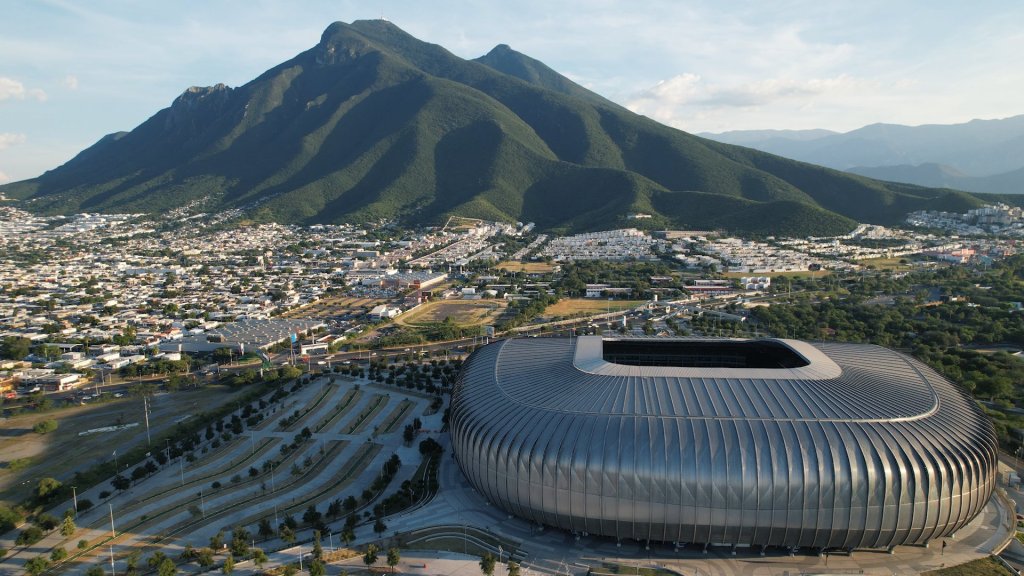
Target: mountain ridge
[
  {"x": 987, "y": 154},
  {"x": 373, "y": 123}
]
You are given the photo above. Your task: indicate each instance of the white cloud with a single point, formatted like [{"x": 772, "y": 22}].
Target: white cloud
[
  {"x": 8, "y": 139},
  {"x": 4, "y": 178},
  {"x": 688, "y": 101},
  {"x": 71, "y": 82},
  {"x": 11, "y": 88}
]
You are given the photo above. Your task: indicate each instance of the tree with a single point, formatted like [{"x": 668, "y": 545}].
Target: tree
[
  {"x": 513, "y": 568},
  {"x": 317, "y": 568},
  {"x": 121, "y": 483},
  {"x": 67, "y": 527},
  {"x": 47, "y": 521},
  {"x": 259, "y": 557},
  {"x": 229, "y": 564},
  {"x": 334, "y": 509},
  {"x": 204, "y": 557},
  {"x": 348, "y": 535},
  {"x": 287, "y": 534},
  {"x": 154, "y": 561},
  {"x": 318, "y": 549},
  {"x": 37, "y": 565},
  {"x": 95, "y": 571},
  {"x": 370, "y": 556},
  {"x": 240, "y": 538},
  {"x": 379, "y": 526},
  {"x": 487, "y": 562},
  {"x": 393, "y": 557},
  {"x": 132, "y": 561},
  {"x": 47, "y": 487},
  {"x": 217, "y": 541},
  {"x": 58, "y": 554},
  {"x": 15, "y": 348},
  {"x": 266, "y": 530},
  {"x": 29, "y": 536},
  {"x": 166, "y": 568},
  {"x": 311, "y": 516}
]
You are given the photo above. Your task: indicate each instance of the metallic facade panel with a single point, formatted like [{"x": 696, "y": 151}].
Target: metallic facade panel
[{"x": 862, "y": 448}]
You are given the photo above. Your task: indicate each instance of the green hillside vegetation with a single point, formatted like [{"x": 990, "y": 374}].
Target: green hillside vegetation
[{"x": 373, "y": 123}]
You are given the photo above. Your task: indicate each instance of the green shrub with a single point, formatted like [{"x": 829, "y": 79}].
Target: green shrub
[
  {"x": 19, "y": 464},
  {"x": 29, "y": 536},
  {"x": 45, "y": 427}
]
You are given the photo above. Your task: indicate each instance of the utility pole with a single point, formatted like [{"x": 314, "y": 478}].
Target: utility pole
[
  {"x": 145, "y": 409},
  {"x": 111, "y": 560},
  {"x": 113, "y": 534},
  {"x": 74, "y": 498}
]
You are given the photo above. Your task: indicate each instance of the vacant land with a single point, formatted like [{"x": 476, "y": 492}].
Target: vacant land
[
  {"x": 60, "y": 453},
  {"x": 887, "y": 263},
  {"x": 461, "y": 312},
  {"x": 574, "y": 306},
  {"x": 527, "y": 267}
]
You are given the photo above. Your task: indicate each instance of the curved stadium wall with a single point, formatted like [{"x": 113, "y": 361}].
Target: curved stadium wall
[{"x": 763, "y": 443}]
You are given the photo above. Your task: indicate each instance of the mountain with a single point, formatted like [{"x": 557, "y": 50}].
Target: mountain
[
  {"x": 975, "y": 148},
  {"x": 942, "y": 176},
  {"x": 373, "y": 123}
]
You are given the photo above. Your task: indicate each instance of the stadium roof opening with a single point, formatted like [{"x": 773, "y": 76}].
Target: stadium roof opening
[{"x": 702, "y": 353}]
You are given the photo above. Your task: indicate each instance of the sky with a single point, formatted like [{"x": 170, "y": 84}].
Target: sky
[{"x": 71, "y": 72}]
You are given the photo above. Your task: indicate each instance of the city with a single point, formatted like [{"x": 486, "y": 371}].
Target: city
[
  {"x": 115, "y": 315},
  {"x": 544, "y": 289}
]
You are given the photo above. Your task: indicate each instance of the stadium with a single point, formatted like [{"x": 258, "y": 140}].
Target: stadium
[{"x": 722, "y": 442}]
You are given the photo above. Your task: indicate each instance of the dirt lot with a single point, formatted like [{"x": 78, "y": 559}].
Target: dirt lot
[
  {"x": 461, "y": 312},
  {"x": 528, "y": 267},
  {"x": 60, "y": 453},
  {"x": 571, "y": 306}
]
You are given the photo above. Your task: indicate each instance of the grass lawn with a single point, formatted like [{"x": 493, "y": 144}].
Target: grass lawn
[
  {"x": 528, "y": 267},
  {"x": 573, "y": 306},
  {"x": 60, "y": 453},
  {"x": 461, "y": 312},
  {"x": 981, "y": 567}
]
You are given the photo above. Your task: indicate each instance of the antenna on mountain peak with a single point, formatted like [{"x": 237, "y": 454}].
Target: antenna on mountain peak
[{"x": 382, "y": 18}]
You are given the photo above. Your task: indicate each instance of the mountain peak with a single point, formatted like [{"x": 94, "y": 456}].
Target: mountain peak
[
  {"x": 501, "y": 49},
  {"x": 402, "y": 128}
]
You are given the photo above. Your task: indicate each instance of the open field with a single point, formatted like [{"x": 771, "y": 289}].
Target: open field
[
  {"x": 333, "y": 307},
  {"x": 461, "y": 312},
  {"x": 60, "y": 453},
  {"x": 888, "y": 263},
  {"x": 572, "y": 306},
  {"x": 528, "y": 267}
]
